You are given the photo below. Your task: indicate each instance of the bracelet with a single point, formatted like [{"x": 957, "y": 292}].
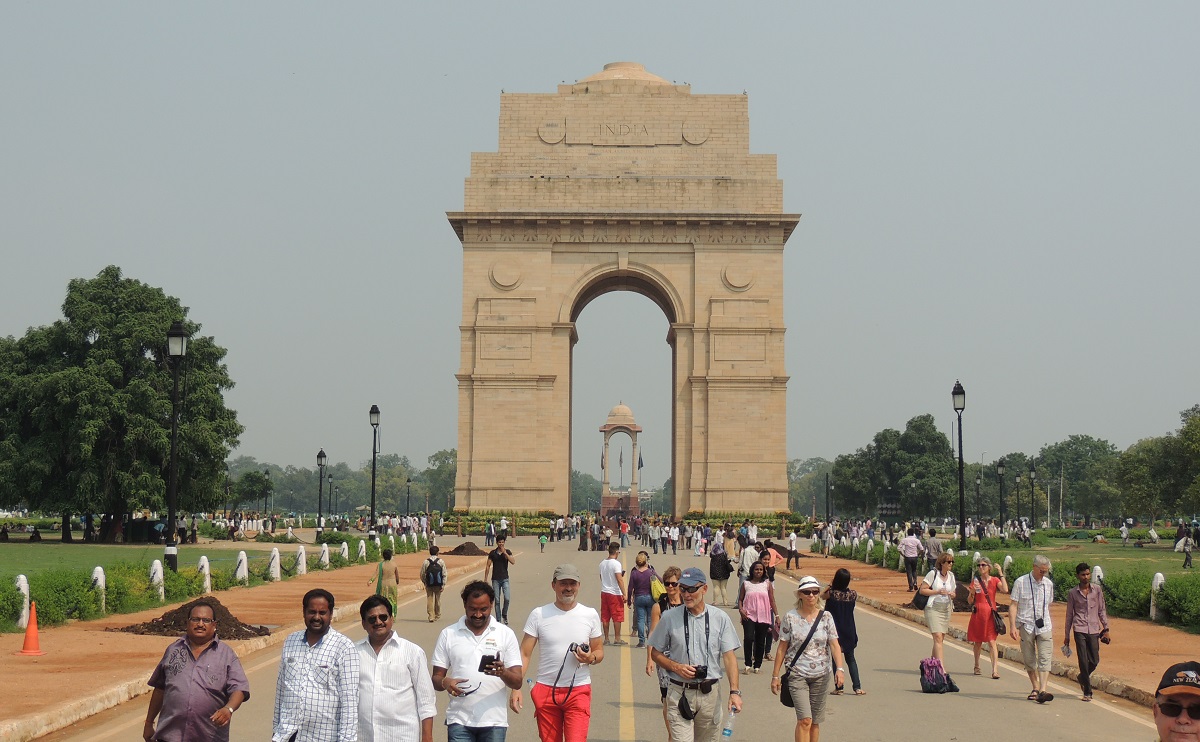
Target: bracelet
[{"x": 229, "y": 709}]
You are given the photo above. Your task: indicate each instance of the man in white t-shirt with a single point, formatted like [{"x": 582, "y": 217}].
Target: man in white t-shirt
[
  {"x": 476, "y": 710},
  {"x": 570, "y": 636},
  {"x": 612, "y": 594}
]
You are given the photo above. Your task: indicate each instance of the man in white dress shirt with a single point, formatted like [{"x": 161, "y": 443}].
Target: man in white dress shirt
[
  {"x": 395, "y": 694},
  {"x": 477, "y": 709}
]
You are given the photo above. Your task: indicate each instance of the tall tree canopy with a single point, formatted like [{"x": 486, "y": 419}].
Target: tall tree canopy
[{"x": 85, "y": 405}]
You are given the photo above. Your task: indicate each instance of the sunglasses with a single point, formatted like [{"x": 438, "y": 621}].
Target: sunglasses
[
  {"x": 377, "y": 619},
  {"x": 690, "y": 588},
  {"x": 810, "y": 592},
  {"x": 670, "y": 584},
  {"x": 1172, "y": 709}
]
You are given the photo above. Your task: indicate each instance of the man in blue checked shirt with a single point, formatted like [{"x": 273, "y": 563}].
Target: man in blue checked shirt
[{"x": 316, "y": 694}]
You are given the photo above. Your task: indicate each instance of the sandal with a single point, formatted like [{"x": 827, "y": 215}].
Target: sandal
[
  {"x": 978, "y": 671},
  {"x": 995, "y": 676},
  {"x": 837, "y": 692},
  {"x": 1033, "y": 695},
  {"x": 861, "y": 692},
  {"x": 1086, "y": 698}
]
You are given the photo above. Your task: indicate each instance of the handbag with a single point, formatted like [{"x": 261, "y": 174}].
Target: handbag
[
  {"x": 657, "y": 588},
  {"x": 919, "y": 600},
  {"x": 785, "y": 692},
  {"x": 997, "y": 622}
]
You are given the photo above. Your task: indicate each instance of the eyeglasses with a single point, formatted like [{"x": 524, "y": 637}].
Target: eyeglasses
[
  {"x": 690, "y": 588},
  {"x": 1172, "y": 709},
  {"x": 198, "y": 620},
  {"x": 670, "y": 584},
  {"x": 378, "y": 619},
  {"x": 810, "y": 592}
]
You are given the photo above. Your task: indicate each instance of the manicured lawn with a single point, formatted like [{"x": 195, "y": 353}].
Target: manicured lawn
[
  {"x": 26, "y": 558},
  {"x": 1113, "y": 557}
]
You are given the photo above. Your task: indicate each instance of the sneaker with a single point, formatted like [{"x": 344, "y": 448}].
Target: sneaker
[
  {"x": 746, "y": 670},
  {"x": 757, "y": 671}
]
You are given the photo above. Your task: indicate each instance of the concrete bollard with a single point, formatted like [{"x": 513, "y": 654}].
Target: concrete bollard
[
  {"x": 392, "y": 541},
  {"x": 291, "y": 536},
  {"x": 346, "y": 550},
  {"x": 378, "y": 543},
  {"x": 241, "y": 573},
  {"x": 301, "y": 561},
  {"x": 23, "y": 586},
  {"x": 1155, "y": 585},
  {"x": 98, "y": 583},
  {"x": 323, "y": 559},
  {"x": 362, "y": 550},
  {"x": 273, "y": 566},
  {"x": 1098, "y": 573},
  {"x": 854, "y": 544},
  {"x": 1008, "y": 565},
  {"x": 156, "y": 579},
  {"x": 204, "y": 569},
  {"x": 870, "y": 549},
  {"x": 975, "y": 559}
]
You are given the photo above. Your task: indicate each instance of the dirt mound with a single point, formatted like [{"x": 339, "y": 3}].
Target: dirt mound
[
  {"x": 174, "y": 623},
  {"x": 467, "y": 548}
]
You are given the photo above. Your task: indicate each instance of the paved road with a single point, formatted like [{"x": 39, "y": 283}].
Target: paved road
[{"x": 625, "y": 701}]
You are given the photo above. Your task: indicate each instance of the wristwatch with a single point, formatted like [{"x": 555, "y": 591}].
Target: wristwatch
[
  {"x": 735, "y": 692},
  {"x": 229, "y": 709}
]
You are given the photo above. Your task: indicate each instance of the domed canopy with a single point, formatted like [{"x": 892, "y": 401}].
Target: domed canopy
[
  {"x": 621, "y": 415},
  {"x": 625, "y": 71}
]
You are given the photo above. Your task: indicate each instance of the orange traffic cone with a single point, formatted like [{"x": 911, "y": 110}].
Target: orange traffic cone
[{"x": 32, "y": 647}]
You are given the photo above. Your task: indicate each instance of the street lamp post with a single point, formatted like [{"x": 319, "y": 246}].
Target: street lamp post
[
  {"x": 1017, "y": 496},
  {"x": 177, "y": 340},
  {"x": 1032, "y": 480},
  {"x": 408, "y": 497},
  {"x": 320, "y": 485},
  {"x": 978, "y": 496},
  {"x": 337, "y": 491},
  {"x": 959, "y": 396},
  {"x": 374, "y": 417},
  {"x": 828, "y": 487},
  {"x": 1000, "y": 477},
  {"x": 329, "y": 489},
  {"x": 266, "y": 491},
  {"x": 227, "y": 490}
]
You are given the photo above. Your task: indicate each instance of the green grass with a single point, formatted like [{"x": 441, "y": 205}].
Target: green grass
[
  {"x": 25, "y": 558},
  {"x": 1114, "y": 558}
]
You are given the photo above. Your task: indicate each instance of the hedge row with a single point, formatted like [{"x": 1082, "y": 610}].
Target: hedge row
[{"x": 66, "y": 594}]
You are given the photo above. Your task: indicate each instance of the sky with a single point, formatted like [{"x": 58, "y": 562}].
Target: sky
[{"x": 997, "y": 193}]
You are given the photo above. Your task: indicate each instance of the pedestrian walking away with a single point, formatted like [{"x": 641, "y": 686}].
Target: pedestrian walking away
[
  {"x": 316, "y": 693},
  {"x": 570, "y": 638},
  {"x": 697, "y": 647},
  {"x": 476, "y": 661},
  {"x": 1029, "y": 622},
  {"x": 910, "y": 549},
  {"x": 839, "y": 602},
  {"x": 1087, "y": 621},
  {"x": 395, "y": 694},
  {"x": 612, "y": 595},
  {"x": 198, "y": 684},
  {"x": 639, "y": 595},
  {"x": 497, "y": 569},
  {"x": 433, "y": 577}
]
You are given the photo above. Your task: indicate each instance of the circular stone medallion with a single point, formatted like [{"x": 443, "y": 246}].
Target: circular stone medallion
[
  {"x": 552, "y": 132},
  {"x": 695, "y": 132},
  {"x": 737, "y": 277},
  {"x": 505, "y": 275}
]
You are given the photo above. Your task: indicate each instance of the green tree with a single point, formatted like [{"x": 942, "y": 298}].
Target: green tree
[
  {"x": 85, "y": 406},
  {"x": 252, "y": 490},
  {"x": 806, "y": 485},
  {"x": 585, "y": 491},
  {"x": 1087, "y": 468},
  {"x": 439, "y": 478}
]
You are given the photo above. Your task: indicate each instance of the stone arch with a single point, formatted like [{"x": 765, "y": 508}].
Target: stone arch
[{"x": 605, "y": 279}]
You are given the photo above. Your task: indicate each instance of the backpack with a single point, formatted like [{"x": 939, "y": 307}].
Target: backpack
[
  {"x": 934, "y": 678},
  {"x": 435, "y": 576}
]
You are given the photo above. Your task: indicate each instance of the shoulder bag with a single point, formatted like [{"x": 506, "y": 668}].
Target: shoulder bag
[
  {"x": 919, "y": 600},
  {"x": 998, "y": 622},
  {"x": 785, "y": 692}
]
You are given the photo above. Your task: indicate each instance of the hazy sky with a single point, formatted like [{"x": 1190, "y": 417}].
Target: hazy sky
[{"x": 1000, "y": 193}]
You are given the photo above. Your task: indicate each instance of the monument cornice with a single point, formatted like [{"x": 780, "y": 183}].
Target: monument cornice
[{"x": 459, "y": 220}]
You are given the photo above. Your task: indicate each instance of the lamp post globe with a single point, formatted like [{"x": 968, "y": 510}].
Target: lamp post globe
[
  {"x": 374, "y": 417},
  {"x": 320, "y": 485},
  {"x": 177, "y": 342},
  {"x": 959, "y": 397}
]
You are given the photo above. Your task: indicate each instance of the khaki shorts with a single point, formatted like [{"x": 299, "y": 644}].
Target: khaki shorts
[
  {"x": 809, "y": 695},
  {"x": 1036, "y": 650}
]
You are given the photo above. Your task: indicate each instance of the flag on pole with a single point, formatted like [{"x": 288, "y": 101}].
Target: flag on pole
[
  {"x": 602, "y": 459},
  {"x": 640, "y": 463},
  {"x": 621, "y": 458}
]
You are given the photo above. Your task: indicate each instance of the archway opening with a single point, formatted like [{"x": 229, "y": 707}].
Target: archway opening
[{"x": 622, "y": 354}]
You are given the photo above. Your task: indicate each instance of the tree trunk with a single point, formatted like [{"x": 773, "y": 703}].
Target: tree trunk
[{"x": 66, "y": 527}]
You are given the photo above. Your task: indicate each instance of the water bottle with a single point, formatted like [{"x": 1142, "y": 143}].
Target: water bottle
[{"x": 727, "y": 729}]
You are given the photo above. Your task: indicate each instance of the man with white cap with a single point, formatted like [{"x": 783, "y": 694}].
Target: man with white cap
[
  {"x": 697, "y": 647},
  {"x": 571, "y": 643},
  {"x": 1177, "y": 703}
]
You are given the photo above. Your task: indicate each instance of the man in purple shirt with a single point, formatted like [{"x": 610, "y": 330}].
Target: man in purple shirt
[
  {"x": 1087, "y": 620},
  {"x": 198, "y": 684}
]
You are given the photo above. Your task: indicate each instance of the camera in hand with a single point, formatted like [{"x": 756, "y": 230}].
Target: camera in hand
[
  {"x": 485, "y": 662},
  {"x": 701, "y": 672},
  {"x": 584, "y": 647}
]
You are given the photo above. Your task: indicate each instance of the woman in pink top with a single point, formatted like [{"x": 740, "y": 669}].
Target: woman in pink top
[{"x": 759, "y": 616}]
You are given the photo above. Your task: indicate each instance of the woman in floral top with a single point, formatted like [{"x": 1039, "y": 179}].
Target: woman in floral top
[{"x": 809, "y": 679}]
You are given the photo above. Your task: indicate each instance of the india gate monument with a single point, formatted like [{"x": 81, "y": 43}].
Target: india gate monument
[{"x": 623, "y": 181}]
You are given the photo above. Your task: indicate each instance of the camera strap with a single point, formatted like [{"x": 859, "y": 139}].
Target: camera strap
[
  {"x": 1033, "y": 602},
  {"x": 687, "y": 636},
  {"x": 571, "y": 686}
]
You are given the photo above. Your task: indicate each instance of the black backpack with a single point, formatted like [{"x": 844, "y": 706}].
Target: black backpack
[{"x": 435, "y": 576}]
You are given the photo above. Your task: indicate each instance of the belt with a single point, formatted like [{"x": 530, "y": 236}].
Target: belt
[{"x": 705, "y": 686}]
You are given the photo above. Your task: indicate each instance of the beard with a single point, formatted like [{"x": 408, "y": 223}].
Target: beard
[{"x": 566, "y": 599}]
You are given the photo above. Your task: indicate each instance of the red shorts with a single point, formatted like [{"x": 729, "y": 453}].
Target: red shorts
[
  {"x": 562, "y": 713},
  {"x": 612, "y": 608}
]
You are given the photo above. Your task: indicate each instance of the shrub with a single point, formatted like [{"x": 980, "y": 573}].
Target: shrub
[
  {"x": 1127, "y": 594},
  {"x": 128, "y": 588},
  {"x": 64, "y": 594},
  {"x": 11, "y": 601},
  {"x": 1179, "y": 602}
]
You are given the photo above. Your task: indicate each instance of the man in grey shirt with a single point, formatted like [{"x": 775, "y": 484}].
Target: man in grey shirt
[
  {"x": 696, "y": 647},
  {"x": 933, "y": 549}
]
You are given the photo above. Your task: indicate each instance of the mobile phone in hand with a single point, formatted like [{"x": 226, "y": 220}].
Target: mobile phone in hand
[{"x": 485, "y": 662}]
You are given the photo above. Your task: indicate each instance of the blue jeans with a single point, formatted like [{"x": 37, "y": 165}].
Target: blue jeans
[
  {"x": 460, "y": 733},
  {"x": 642, "y": 605},
  {"x": 500, "y": 587}
]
